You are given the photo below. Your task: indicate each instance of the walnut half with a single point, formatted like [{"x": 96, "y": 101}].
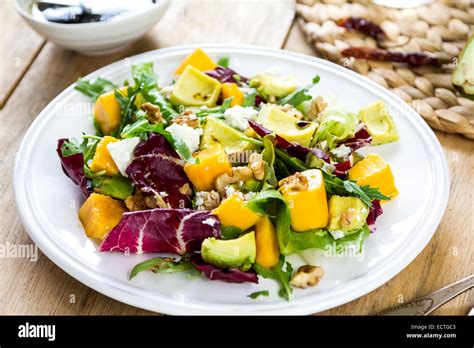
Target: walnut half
[
  {"x": 257, "y": 165},
  {"x": 307, "y": 275},
  {"x": 295, "y": 182}
]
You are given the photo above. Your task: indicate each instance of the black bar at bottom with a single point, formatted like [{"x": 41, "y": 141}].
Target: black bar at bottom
[{"x": 166, "y": 330}]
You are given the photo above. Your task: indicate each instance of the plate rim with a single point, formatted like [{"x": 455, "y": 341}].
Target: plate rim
[{"x": 165, "y": 304}]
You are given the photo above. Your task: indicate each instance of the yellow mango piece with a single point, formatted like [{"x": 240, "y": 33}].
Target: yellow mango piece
[
  {"x": 268, "y": 252},
  {"x": 308, "y": 208},
  {"x": 99, "y": 214},
  {"x": 374, "y": 171},
  {"x": 198, "y": 59},
  {"x": 232, "y": 90},
  {"x": 102, "y": 159},
  {"x": 213, "y": 162},
  {"x": 107, "y": 111},
  {"x": 233, "y": 212}
]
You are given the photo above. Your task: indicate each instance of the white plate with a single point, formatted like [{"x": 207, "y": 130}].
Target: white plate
[{"x": 48, "y": 201}]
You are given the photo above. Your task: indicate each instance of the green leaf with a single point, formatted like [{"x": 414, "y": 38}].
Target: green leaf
[
  {"x": 230, "y": 232},
  {"x": 282, "y": 273},
  {"x": 257, "y": 294},
  {"x": 94, "y": 88},
  {"x": 268, "y": 154},
  {"x": 217, "y": 110},
  {"x": 299, "y": 96},
  {"x": 143, "y": 75},
  {"x": 224, "y": 61},
  {"x": 337, "y": 186},
  {"x": 249, "y": 98},
  {"x": 155, "y": 97},
  {"x": 162, "y": 265}
]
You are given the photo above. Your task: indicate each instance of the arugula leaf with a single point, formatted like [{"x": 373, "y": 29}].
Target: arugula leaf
[
  {"x": 230, "y": 232},
  {"x": 143, "y": 75},
  {"x": 268, "y": 154},
  {"x": 87, "y": 147},
  {"x": 283, "y": 276},
  {"x": 162, "y": 265},
  {"x": 299, "y": 96},
  {"x": 256, "y": 294},
  {"x": 155, "y": 97},
  {"x": 249, "y": 98},
  {"x": 94, "y": 88},
  {"x": 217, "y": 110},
  {"x": 224, "y": 61},
  {"x": 337, "y": 186}
]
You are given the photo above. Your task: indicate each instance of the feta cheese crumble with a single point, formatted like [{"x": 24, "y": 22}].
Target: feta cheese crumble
[
  {"x": 209, "y": 221},
  {"x": 341, "y": 151},
  {"x": 337, "y": 234},
  {"x": 238, "y": 116},
  {"x": 122, "y": 153},
  {"x": 190, "y": 136}
]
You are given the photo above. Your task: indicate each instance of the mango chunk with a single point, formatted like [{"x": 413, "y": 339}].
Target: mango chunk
[
  {"x": 107, "y": 112},
  {"x": 233, "y": 212},
  {"x": 232, "y": 90},
  {"x": 102, "y": 159},
  {"x": 268, "y": 252},
  {"x": 213, "y": 162},
  {"x": 198, "y": 59},
  {"x": 99, "y": 214},
  {"x": 374, "y": 171},
  {"x": 306, "y": 197}
]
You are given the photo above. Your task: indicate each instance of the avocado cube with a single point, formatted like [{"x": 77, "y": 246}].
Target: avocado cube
[
  {"x": 278, "y": 86},
  {"x": 379, "y": 123},
  {"x": 346, "y": 213},
  {"x": 232, "y": 253},
  {"x": 217, "y": 132},
  {"x": 194, "y": 88},
  {"x": 285, "y": 125}
]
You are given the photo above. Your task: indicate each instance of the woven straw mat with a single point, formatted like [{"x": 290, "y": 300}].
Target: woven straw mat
[{"x": 440, "y": 28}]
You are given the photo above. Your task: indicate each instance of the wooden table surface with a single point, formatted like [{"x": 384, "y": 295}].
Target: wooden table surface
[{"x": 33, "y": 71}]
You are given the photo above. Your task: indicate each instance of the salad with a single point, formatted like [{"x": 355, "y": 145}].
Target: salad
[{"x": 228, "y": 174}]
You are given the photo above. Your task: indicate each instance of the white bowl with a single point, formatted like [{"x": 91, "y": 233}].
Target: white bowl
[{"x": 95, "y": 39}]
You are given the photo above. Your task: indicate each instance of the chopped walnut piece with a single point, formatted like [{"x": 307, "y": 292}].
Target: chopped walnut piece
[
  {"x": 153, "y": 112},
  {"x": 295, "y": 182},
  {"x": 307, "y": 275},
  {"x": 238, "y": 174},
  {"x": 317, "y": 106},
  {"x": 185, "y": 189},
  {"x": 207, "y": 200},
  {"x": 136, "y": 202},
  {"x": 348, "y": 217},
  {"x": 291, "y": 110},
  {"x": 188, "y": 118},
  {"x": 257, "y": 165}
]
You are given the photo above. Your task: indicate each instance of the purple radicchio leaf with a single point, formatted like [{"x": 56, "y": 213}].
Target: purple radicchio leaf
[
  {"x": 157, "y": 169},
  {"x": 224, "y": 75},
  {"x": 178, "y": 231},
  {"x": 233, "y": 275},
  {"x": 375, "y": 211},
  {"x": 294, "y": 149},
  {"x": 341, "y": 168},
  {"x": 73, "y": 167},
  {"x": 361, "y": 138}
]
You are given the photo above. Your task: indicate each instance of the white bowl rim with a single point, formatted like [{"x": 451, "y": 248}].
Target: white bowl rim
[
  {"x": 131, "y": 16},
  {"x": 164, "y": 304}
]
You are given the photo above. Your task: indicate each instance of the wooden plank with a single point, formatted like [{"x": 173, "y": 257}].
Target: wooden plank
[
  {"x": 448, "y": 256},
  {"x": 19, "y": 45},
  {"x": 41, "y": 287}
]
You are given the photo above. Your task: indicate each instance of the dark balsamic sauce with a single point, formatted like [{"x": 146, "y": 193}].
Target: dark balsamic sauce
[{"x": 76, "y": 12}]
